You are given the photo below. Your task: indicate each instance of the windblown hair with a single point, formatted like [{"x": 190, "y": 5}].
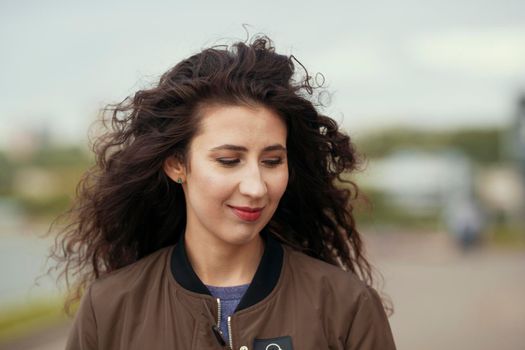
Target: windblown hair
[{"x": 127, "y": 207}]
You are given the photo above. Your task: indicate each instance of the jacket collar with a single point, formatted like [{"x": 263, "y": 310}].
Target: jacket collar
[{"x": 263, "y": 282}]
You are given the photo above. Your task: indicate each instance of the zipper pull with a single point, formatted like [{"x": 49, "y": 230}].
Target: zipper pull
[
  {"x": 216, "y": 327},
  {"x": 218, "y": 334}
]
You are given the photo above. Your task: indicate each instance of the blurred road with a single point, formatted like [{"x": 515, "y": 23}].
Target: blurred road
[{"x": 443, "y": 299}]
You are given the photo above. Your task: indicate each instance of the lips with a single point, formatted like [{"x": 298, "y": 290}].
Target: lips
[{"x": 247, "y": 213}]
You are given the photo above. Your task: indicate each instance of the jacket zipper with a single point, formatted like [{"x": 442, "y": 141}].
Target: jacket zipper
[
  {"x": 230, "y": 332},
  {"x": 219, "y": 325},
  {"x": 218, "y": 313}
]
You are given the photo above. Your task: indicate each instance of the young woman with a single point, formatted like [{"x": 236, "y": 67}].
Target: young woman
[{"x": 216, "y": 218}]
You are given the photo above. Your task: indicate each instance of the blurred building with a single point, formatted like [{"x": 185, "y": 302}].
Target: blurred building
[
  {"x": 423, "y": 182},
  {"x": 420, "y": 181}
]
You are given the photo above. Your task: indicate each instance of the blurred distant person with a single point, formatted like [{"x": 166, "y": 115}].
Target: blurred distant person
[
  {"x": 465, "y": 221},
  {"x": 212, "y": 219}
]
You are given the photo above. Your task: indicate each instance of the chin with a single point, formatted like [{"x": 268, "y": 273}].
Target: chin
[{"x": 241, "y": 236}]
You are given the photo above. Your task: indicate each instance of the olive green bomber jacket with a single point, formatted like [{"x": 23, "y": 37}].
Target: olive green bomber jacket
[{"x": 294, "y": 302}]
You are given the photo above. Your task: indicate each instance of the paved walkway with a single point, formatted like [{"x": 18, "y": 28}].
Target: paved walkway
[{"x": 443, "y": 299}]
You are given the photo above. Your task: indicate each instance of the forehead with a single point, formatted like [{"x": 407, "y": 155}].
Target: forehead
[{"x": 249, "y": 126}]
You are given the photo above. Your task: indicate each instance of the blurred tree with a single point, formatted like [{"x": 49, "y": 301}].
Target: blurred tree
[
  {"x": 7, "y": 172},
  {"x": 53, "y": 157},
  {"x": 480, "y": 145},
  {"x": 43, "y": 184}
]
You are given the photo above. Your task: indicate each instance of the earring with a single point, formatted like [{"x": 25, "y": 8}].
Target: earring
[{"x": 179, "y": 180}]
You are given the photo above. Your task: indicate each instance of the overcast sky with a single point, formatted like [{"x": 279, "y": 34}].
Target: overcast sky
[{"x": 435, "y": 64}]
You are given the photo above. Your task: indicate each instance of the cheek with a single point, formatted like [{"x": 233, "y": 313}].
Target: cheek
[
  {"x": 210, "y": 184},
  {"x": 280, "y": 182}
]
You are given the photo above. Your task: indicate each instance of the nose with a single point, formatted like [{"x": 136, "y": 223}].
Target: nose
[{"x": 252, "y": 183}]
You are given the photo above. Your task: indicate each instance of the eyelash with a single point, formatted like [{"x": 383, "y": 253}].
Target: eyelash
[{"x": 230, "y": 162}]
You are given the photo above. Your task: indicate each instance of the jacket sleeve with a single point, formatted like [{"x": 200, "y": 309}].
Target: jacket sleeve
[
  {"x": 83, "y": 333},
  {"x": 370, "y": 329}
]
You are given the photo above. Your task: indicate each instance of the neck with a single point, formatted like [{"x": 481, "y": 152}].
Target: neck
[{"x": 223, "y": 264}]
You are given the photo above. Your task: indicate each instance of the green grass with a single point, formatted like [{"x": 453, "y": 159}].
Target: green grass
[
  {"x": 19, "y": 320},
  {"x": 508, "y": 236}
]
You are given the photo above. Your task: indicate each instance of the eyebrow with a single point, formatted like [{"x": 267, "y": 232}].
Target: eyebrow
[{"x": 276, "y": 147}]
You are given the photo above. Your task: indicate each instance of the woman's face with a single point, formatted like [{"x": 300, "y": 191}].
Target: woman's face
[{"x": 238, "y": 172}]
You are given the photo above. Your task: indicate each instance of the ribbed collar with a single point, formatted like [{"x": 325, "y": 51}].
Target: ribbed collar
[{"x": 263, "y": 282}]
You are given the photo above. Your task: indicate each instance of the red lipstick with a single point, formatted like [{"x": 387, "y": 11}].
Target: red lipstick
[{"x": 247, "y": 213}]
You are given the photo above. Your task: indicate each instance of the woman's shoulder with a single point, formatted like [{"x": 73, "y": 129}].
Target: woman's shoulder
[
  {"x": 342, "y": 292},
  {"x": 141, "y": 274},
  {"x": 108, "y": 299},
  {"x": 328, "y": 277}
]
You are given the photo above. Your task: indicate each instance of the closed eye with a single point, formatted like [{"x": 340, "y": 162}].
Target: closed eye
[
  {"x": 273, "y": 161},
  {"x": 228, "y": 161}
]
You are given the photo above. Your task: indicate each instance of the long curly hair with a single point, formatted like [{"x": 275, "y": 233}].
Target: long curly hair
[{"x": 127, "y": 207}]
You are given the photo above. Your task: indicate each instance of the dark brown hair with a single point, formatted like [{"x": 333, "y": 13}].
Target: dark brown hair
[{"x": 127, "y": 207}]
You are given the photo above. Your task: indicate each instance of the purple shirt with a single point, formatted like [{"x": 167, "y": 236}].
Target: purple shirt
[{"x": 230, "y": 298}]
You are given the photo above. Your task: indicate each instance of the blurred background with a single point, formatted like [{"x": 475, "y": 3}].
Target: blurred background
[{"x": 432, "y": 93}]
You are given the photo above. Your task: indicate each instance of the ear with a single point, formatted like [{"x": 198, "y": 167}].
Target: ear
[{"x": 175, "y": 169}]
